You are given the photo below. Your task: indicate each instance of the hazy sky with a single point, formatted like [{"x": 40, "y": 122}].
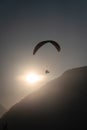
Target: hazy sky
[{"x": 23, "y": 23}]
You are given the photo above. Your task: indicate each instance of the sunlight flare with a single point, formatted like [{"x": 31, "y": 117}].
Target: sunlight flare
[{"x": 33, "y": 78}]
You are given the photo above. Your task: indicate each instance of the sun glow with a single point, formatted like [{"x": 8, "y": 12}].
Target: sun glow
[{"x": 33, "y": 78}]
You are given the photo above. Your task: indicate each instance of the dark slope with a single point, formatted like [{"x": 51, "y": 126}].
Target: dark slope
[
  {"x": 2, "y": 110},
  {"x": 62, "y": 103}
]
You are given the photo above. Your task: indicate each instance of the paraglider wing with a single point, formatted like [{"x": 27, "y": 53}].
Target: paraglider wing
[{"x": 57, "y": 46}]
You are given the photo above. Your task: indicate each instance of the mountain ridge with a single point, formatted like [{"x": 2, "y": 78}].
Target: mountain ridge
[{"x": 61, "y": 103}]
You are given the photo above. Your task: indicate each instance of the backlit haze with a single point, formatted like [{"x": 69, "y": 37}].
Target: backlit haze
[{"x": 25, "y": 23}]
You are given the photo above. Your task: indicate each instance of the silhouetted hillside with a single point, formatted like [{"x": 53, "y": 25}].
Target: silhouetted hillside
[
  {"x": 2, "y": 110},
  {"x": 61, "y": 103}
]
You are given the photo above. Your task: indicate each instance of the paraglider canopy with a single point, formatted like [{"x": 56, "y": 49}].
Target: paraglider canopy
[{"x": 40, "y": 44}]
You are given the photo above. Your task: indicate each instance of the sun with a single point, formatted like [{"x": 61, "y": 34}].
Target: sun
[{"x": 33, "y": 78}]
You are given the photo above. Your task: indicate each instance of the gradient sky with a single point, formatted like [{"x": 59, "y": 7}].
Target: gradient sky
[{"x": 24, "y": 23}]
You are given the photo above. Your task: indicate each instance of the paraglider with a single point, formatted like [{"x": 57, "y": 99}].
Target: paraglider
[
  {"x": 40, "y": 44},
  {"x": 47, "y": 71}
]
